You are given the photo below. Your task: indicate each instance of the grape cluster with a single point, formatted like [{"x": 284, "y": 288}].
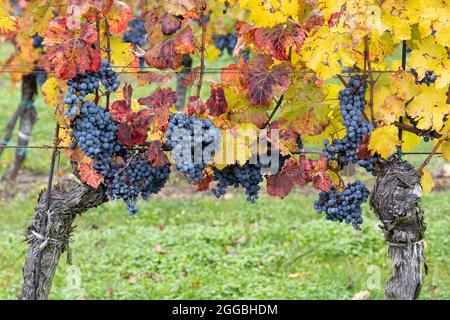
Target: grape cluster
[
  {"x": 429, "y": 78},
  {"x": 248, "y": 176},
  {"x": 37, "y": 41},
  {"x": 136, "y": 34},
  {"x": 133, "y": 177},
  {"x": 225, "y": 42},
  {"x": 95, "y": 133},
  {"x": 343, "y": 205},
  {"x": 82, "y": 85},
  {"x": 352, "y": 103},
  {"x": 193, "y": 142}
]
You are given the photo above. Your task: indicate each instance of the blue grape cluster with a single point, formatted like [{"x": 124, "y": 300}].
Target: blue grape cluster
[
  {"x": 37, "y": 41},
  {"x": 248, "y": 176},
  {"x": 95, "y": 133},
  {"x": 352, "y": 103},
  {"x": 225, "y": 42},
  {"x": 345, "y": 205},
  {"x": 193, "y": 142},
  {"x": 82, "y": 85},
  {"x": 133, "y": 177},
  {"x": 136, "y": 34},
  {"x": 429, "y": 78}
]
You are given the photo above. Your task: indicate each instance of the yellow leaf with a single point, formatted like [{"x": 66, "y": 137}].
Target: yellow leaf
[
  {"x": 410, "y": 141},
  {"x": 387, "y": 106},
  {"x": 8, "y": 24},
  {"x": 384, "y": 141},
  {"x": 429, "y": 108},
  {"x": 53, "y": 91},
  {"x": 403, "y": 84},
  {"x": 122, "y": 55},
  {"x": 445, "y": 149},
  {"x": 427, "y": 181},
  {"x": 212, "y": 53}
]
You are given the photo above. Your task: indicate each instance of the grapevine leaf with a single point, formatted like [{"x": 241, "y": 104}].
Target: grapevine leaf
[
  {"x": 118, "y": 17},
  {"x": 152, "y": 77},
  {"x": 217, "y": 103},
  {"x": 76, "y": 154},
  {"x": 160, "y": 101},
  {"x": 89, "y": 176},
  {"x": 264, "y": 81},
  {"x": 429, "y": 108},
  {"x": 168, "y": 52},
  {"x": 322, "y": 181},
  {"x": 190, "y": 79},
  {"x": 135, "y": 130},
  {"x": 384, "y": 141},
  {"x": 195, "y": 106},
  {"x": 70, "y": 51},
  {"x": 427, "y": 181},
  {"x": 120, "y": 110},
  {"x": 8, "y": 24},
  {"x": 274, "y": 41},
  {"x": 156, "y": 155},
  {"x": 53, "y": 91},
  {"x": 254, "y": 115},
  {"x": 279, "y": 185}
]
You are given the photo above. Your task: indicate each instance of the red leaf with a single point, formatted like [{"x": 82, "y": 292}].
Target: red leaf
[
  {"x": 204, "y": 184},
  {"x": 320, "y": 165},
  {"x": 89, "y": 176},
  {"x": 120, "y": 110},
  {"x": 263, "y": 81},
  {"x": 363, "y": 150},
  {"x": 168, "y": 52},
  {"x": 300, "y": 170},
  {"x": 170, "y": 24},
  {"x": 135, "y": 130},
  {"x": 156, "y": 155},
  {"x": 152, "y": 77},
  {"x": 276, "y": 40},
  {"x": 160, "y": 100},
  {"x": 322, "y": 181},
  {"x": 191, "y": 78},
  {"x": 70, "y": 51},
  {"x": 217, "y": 103},
  {"x": 229, "y": 75},
  {"x": 195, "y": 106},
  {"x": 76, "y": 154},
  {"x": 279, "y": 185},
  {"x": 118, "y": 17}
]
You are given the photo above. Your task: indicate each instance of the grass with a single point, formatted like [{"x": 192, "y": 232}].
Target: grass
[{"x": 221, "y": 250}]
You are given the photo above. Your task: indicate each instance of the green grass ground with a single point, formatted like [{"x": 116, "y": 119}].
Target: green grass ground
[
  {"x": 221, "y": 250},
  {"x": 211, "y": 249}
]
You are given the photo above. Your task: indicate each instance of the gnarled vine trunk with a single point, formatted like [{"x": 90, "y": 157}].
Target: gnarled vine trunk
[
  {"x": 28, "y": 117},
  {"x": 68, "y": 199},
  {"x": 395, "y": 200}
]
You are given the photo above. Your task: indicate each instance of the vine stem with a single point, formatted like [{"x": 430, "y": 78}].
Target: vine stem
[
  {"x": 430, "y": 156},
  {"x": 202, "y": 52},
  {"x": 98, "y": 44},
  {"x": 340, "y": 77},
  {"x": 272, "y": 114},
  {"x": 414, "y": 130},
  {"x": 371, "y": 80},
  {"x": 108, "y": 54},
  {"x": 400, "y": 120},
  {"x": 44, "y": 217}
]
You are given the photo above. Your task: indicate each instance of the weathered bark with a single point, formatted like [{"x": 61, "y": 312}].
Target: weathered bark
[
  {"x": 181, "y": 89},
  {"x": 395, "y": 200},
  {"x": 68, "y": 199},
  {"x": 28, "y": 117}
]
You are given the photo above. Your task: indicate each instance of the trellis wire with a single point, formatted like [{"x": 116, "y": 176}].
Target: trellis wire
[{"x": 308, "y": 151}]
